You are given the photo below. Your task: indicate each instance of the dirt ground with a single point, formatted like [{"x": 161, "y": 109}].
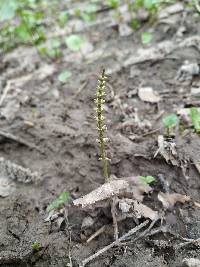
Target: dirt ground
[{"x": 61, "y": 144}]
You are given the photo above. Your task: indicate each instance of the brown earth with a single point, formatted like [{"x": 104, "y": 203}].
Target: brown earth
[{"x": 67, "y": 154}]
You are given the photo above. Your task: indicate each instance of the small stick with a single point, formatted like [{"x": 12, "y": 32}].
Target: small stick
[
  {"x": 98, "y": 232},
  {"x": 5, "y": 92},
  {"x": 9, "y": 83},
  {"x": 147, "y": 230},
  {"x": 151, "y": 132},
  {"x": 69, "y": 254},
  {"x": 115, "y": 243},
  {"x": 113, "y": 211},
  {"x": 188, "y": 242}
]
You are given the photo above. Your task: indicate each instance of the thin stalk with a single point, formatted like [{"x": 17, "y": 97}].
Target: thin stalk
[{"x": 101, "y": 127}]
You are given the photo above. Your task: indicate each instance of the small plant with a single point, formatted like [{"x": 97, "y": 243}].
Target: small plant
[
  {"x": 89, "y": 13},
  {"x": 64, "y": 76},
  {"x": 195, "y": 118},
  {"x": 113, "y": 3},
  {"x": 74, "y": 42},
  {"x": 170, "y": 121},
  {"x": 62, "y": 199},
  {"x": 63, "y": 18},
  {"x": 36, "y": 245},
  {"x": 146, "y": 37},
  {"x": 147, "y": 179},
  {"x": 101, "y": 127},
  {"x": 21, "y": 23}
]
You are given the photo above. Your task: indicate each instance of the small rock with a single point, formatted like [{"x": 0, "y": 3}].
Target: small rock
[
  {"x": 147, "y": 94},
  {"x": 87, "y": 222},
  {"x": 191, "y": 262},
  {"x": 187, "y": 71},
  {"x": 195, "y": 91}
]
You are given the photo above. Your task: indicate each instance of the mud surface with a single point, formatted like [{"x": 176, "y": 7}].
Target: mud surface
[{"x": 65, "y": 153}]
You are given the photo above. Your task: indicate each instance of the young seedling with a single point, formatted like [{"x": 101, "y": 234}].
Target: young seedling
[
  {"x": 58, "y": 202},
  {"x": 170, "y": 121},
  {"x": 195, "y": 119},
  {"x": 36, "y": 246},
  {"x": 147, "y": 179}
]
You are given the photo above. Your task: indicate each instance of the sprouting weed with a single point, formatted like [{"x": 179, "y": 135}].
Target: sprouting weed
[
  {"x": 195, "y": 119},
  {"x": 36, "y": 245},
  {"x": 101, "y": 127},
  {"x": 170, "y": 121}
]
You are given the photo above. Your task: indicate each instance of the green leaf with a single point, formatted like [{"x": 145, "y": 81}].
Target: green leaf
[
  {"x": 74, "y": 42},
  {"x": 147, "y": 179},
  {"x": 7, "y": 9},
  {"x": 87, "y": 17},
  {"x": 23, "y": 32},
  {"x": 77, "y": 12},
  {"x": 36, "y": 245},
  {"x": 170, "y": 120},
  {"x": 64, "y": 76},
  {"x": 90, "y": 8},
  {"x": 58, "y": 202},
  {"x": 54, "y": 52},
  {"x": 195, "y": 118},
  {"x": 63, "y": 18},
  {"x": 113, "y": 3},
  {"x": 55, "y": 43},
  {"x": 146, "y": 37},
  {"x": 149, "y": 4}
]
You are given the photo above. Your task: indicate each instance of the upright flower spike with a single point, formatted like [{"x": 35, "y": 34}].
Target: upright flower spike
[{"x": 101, "y": 127}]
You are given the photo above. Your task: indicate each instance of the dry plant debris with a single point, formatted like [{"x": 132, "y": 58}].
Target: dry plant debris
[
  {"x": 191, "y": 262},
  {"x": 169, "y": 200},
  {"x": 147, "y": 94},
  {"x": 103, "y": 192},
  {"x": 11, "y": 173},
  {"x": 167, "y": 148},
  {"x": 129, "y": 187}
]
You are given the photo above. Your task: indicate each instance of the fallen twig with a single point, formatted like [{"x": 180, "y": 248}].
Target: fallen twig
[
  {"x": 188, "y": 242},
  {"x": 5, "y": 92},
  {"x": 113, "y": 211},
  {"x": 115, "y": 243},
  {"x": 10, "y": 82},
  {"x": 152, "y": 132},
  {"x": 98, "y": 232},
  {"x": 69, "y": 254}
]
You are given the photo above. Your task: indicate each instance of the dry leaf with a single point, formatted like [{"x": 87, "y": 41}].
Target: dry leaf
[
  {"x": 167, "y": 148},
  {"x": 169, "y": 200},
  {"x": 103, "y": 192},
  {"x": 136, "y": 188},
  {"x": 148, "y": 94},
  {"x": 144, "y": 211},
  {"x": 130, "y": 187},
  {"x": 130, "y": 208}
]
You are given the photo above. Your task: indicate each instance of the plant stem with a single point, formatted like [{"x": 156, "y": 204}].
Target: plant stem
[{"x": 101, "y": 127}]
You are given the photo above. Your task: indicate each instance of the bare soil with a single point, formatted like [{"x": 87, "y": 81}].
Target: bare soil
[{"x": 67, "y": 154}]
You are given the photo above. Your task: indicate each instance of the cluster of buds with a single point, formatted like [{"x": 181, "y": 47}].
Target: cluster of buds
[{"x": 101, "y": 127}]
